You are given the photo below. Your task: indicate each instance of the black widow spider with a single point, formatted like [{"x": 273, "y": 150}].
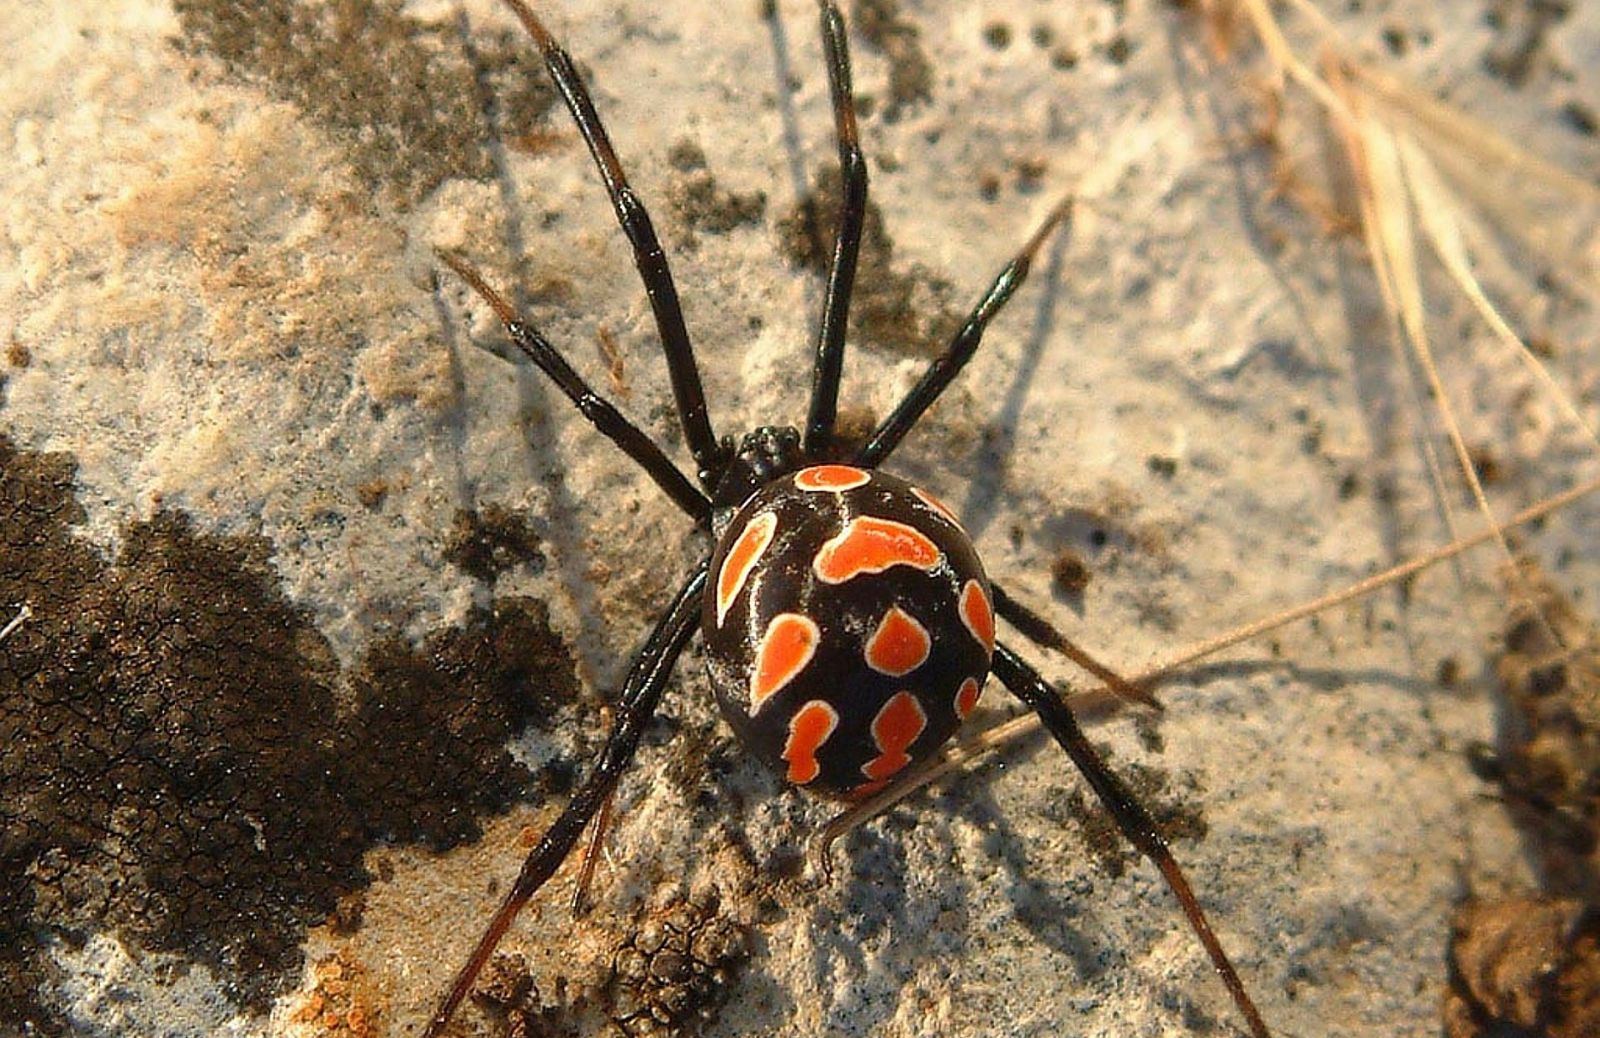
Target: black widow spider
[{"x": 848, "y": 623}]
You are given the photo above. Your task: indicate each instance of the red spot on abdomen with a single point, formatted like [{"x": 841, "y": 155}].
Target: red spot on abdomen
[
  {"x": 808, "y": 730},
  {"x": 936, "y": 504},
  {"x": 900, "y": 644},
  {"x": 831, "y": 477},
  {"x": 866, "y": 789},
  {"x": 894, "y": 730},
  {"x": 967, "y": 697},
  {"x": 871, "y": 545},
  {"x": 790, "y": 642},
  {"x": 741, "y": 559},
  {"x": 977, "y": 614}
]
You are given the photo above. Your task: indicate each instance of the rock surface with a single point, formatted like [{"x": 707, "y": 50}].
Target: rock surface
[{"x": 220, "y": 300}]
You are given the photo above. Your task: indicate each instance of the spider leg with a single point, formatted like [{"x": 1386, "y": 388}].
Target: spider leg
[
  {"x": 819, "y": 849},
  {"x": 1130, "y": 815},
  {"x": 947, "y": 365},
  {"x": 591, "y": 856},
  {"x": 641, "y": 694},
  {"x": 846, "y": 245},
  {"x": 1043, "y": 633},
  {"x": 600, "y": 412},
  {"x": 710, "y": 457}
]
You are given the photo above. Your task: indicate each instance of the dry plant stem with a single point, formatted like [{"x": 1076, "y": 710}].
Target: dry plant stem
[
  {"x": 1435, "y": 208},
  {"x": 1102, "y": 700},
  {"x": 1449, "y": 125},
  {"x": 1441, "y": 120},
  {"x": 16, "y": 621},
  {"x": 1396, "y": 182},
  {"x": 1386, "y": 128},
  {"x": 1386, "y": 219},
  {"x": 1387, "y": 234},
  {"x": 1285, "y": 62},
  {"x": 1034, "y": 627}
]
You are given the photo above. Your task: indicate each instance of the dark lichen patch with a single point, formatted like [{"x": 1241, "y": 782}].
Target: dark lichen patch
[
  {"x": 36, "y": 509},
  {"x": 697, "y": 751},
  {"x": 145, "y": 709},
  {"x": 1162, "y": 465},
  {"x": 431, "y": 723},
  {"x": 674, "y": 974},
  {"x": 910, "y": 72},
  {"x": 902, "y": 310},
  {"x": 665, "y": 975},
  {"x": 997, "y": 35},
  {"x": 487, "y": 542},
  {"x": 403, "y": 97},
  {"x": 703, "y": 205},
  {"x": 1119, "y": 49},
  {"x": 184, "y": 764},
  {"x": 1147, "y": 726},
  {"x": 372, "y": 492}
]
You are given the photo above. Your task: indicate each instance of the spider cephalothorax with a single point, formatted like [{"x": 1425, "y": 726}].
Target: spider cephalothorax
[
  {"x": 765, "y": 454},
  {"x": 849, "y": 626}
]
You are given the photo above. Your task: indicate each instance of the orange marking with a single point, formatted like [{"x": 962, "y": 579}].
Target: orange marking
[
  {"x": 808, "y": 730},
  {"x": 977, "y": 614},
  {"x": 871, "y": 545},
  {"x": 831, "y": 477},
  {"x": 900, "y": 644},
  {"x": 790, "y": 642},
  {"x": 936, "y": 504},
  {"x": 866, "y": 789},
  {"x": 894, "y": 729},
  {"x": 741, "y": 559},
  {"x": 967, "y": 698}
]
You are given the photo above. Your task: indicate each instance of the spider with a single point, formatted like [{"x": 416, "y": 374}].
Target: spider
[{"x": 848, "y": 623}]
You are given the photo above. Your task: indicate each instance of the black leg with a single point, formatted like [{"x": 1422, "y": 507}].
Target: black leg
[
  {"x": 641, "y": 694},
  {"x": 605, "y": 417},
  {"x": 1131, "y": 816},
  {"x": 1044, "y": 634},
  {"x": 846, "y": 246},
  {"x": 710, "y": 457},
  {"x": 945, "y": 368}
]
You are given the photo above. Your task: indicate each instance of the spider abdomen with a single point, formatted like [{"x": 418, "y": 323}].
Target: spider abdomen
[{"x": 848, "y": 627}]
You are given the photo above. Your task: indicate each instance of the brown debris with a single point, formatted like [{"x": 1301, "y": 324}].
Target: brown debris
[
  {"x": 1524, "y": 966},
  {"x": 1530, "y": 964},
  {"x": 1549, "y": 761}
]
